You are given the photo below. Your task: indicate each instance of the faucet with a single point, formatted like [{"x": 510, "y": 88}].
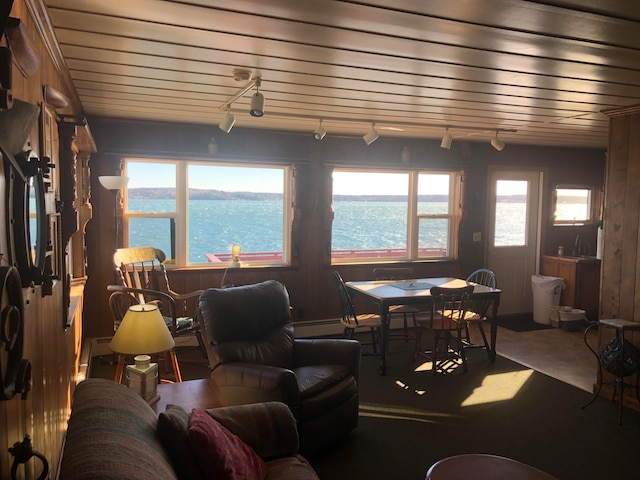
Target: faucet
[{"x": 577, "y": 246}]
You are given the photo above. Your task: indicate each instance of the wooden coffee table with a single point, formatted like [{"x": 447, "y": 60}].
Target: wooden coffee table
[{"x": 189, "y": 395}]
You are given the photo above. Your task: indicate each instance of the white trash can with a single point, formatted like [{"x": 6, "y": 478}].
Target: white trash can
[{"x": 546, "y": 293}]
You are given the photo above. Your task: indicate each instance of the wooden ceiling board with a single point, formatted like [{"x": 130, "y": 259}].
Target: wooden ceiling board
[{"x": 547, "y": 69}]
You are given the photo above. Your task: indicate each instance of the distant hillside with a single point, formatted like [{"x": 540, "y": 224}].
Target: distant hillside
[{"x": 198, "y": 194}]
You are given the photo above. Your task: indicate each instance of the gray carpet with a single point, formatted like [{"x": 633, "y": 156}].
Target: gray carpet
[{"x": 409, "y": 420}]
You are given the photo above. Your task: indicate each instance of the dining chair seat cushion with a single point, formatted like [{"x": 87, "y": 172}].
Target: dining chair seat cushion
[
  {"x": 315, "y": 379},
  {"x": 473, "y": 317},
  {"x": 441, "y": 322}
]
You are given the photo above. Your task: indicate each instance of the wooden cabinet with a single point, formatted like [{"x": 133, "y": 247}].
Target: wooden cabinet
[{"x": 582, "y": 280}]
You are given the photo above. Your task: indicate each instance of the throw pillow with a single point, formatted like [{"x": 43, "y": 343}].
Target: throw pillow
[
  {"x": 173, "y": 432},
  {"x": 221, "y": 454}
]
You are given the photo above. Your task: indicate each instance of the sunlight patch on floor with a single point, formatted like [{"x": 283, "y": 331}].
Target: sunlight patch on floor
[
  {"x": 404, "y": 386},
  {"x": 375, "y": 410},
  {"x": 498, "y": 387}
]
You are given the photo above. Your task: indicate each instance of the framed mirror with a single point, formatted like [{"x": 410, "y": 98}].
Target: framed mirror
[{"x": 28, "y": 236}]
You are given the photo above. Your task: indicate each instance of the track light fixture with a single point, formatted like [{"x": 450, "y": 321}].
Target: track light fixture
[
  {"x": 320, "y": 132},
  {"x": 371, "y": 136},
  {"x": 446, "y": 139},
  {"x": 257, "y": 101},
  {"x": 497, "y": 143},
  {"x": 227, "y": 122}
]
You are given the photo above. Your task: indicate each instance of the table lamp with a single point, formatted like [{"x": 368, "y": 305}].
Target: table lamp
[
  {"x": 235, "y": 256},
  {"x": 142, "y": 332}
]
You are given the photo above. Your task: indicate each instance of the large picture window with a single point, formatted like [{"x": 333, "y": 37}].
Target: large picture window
[
  {"x": 388, "y": 216},
  {"x": 196, "y": 212}
]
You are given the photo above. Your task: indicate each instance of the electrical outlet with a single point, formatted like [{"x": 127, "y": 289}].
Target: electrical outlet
[{"x": 477, "y": 236}]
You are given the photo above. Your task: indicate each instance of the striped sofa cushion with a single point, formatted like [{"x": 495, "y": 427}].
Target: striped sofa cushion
[{"x": 112, "y": 434}]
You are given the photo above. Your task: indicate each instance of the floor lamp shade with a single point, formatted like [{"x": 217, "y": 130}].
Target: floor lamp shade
[{"x": 142, "y": 331}]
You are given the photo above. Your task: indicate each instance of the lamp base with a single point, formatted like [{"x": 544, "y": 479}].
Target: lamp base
[{"x": 153, "y": 399}]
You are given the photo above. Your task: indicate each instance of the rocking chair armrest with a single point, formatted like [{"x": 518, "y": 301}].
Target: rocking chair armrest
[
  {"x": 185, "y": 296},
  {"x": 154, "y": 296}
]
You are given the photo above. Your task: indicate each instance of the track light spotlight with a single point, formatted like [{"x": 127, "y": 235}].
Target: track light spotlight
[
  {"x": 257, "y": 102},
  {"x": 497, "y": 143},
  {"x": 227, "y": 122},
  {"x": 320, "y": 132},
  {"x": 446, "y": 139},
  {"x": 371, "y": 136}
]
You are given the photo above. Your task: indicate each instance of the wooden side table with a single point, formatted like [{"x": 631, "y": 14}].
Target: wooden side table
[
  {"x": 191, "y": 394},
  {"x": 621, "y": 326},
  {"x": 483, "y": 467}
]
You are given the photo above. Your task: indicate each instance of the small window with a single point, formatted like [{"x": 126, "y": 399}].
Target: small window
[{"x": 574, "y": 205}]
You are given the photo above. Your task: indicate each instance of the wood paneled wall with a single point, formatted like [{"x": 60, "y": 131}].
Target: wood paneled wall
[
  {"x": 309, "y": 279},
  {"x": 621, "y": 251},
  {"x": 52, "y": 350}
]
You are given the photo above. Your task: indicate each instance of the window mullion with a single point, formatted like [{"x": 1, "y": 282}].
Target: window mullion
[
  {"x": 182, "y": 202},
  {"x": 412, "y": 217}
]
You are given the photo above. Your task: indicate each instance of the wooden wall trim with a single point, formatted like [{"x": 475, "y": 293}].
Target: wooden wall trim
[{"x": 38, "y": 11}]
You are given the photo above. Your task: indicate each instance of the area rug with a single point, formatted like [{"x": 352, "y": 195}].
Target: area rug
[{"x": 521, "y": 324}]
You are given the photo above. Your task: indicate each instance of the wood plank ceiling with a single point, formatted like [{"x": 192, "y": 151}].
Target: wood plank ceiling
[{"x": 541, "y": 72}]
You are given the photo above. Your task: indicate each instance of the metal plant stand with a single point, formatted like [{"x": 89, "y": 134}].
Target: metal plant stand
[{"x": 618, "y": 357}]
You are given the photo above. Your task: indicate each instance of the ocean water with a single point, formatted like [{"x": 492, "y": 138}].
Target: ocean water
[{"x": 215, "y": 225}]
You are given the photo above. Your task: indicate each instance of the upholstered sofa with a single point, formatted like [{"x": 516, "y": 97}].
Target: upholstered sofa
[
  {"x": 113, "y": 433},
  {"x": 255, "y": 357}
]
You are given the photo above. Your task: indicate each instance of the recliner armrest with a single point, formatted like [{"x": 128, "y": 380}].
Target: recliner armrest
[
  {"x": 323, "y": 351},
  {"x": 241, "y": 383},
  {"x": 269, "y": 428}
]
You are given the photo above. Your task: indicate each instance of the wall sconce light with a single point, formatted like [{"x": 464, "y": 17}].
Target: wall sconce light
[
  {"x": 227, "y": 122},
  {"x": 446, "y": 139},
  {"x": 320, "y": 132},
  {"x": 371, "y": 136},
  {"x": 257, "y": 101},
  {"x": 497, "y": 143}
]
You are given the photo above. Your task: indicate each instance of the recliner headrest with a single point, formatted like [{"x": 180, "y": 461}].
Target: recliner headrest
[{"x": 247, "y": 312}]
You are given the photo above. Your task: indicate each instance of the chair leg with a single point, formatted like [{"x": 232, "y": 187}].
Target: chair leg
[
  {"x": 120, "y": 368},
  {"x": 406, "y": 328},
  {"x": 434, "y": 352},
  {"x": 374, "y": 343},
  {"x": 484, "y": 339},
  {"x": 174, "y": 365}
]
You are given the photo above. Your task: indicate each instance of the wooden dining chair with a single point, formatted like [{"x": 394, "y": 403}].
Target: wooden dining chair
[
  {"x": 477, "y": 314},
  {"x": 399, "y": 273},
  {"x": 351, "y": 322},
  {"x": 446, "y": 324}
]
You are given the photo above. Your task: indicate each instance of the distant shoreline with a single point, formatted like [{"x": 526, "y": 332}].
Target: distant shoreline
[{"x": 202, "y": 194}]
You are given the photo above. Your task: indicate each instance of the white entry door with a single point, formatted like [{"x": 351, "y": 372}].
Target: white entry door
[{"x": 513, "y": 236}]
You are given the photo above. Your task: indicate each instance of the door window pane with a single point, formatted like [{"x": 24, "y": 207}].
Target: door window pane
[{"x": 511, "y": 213}]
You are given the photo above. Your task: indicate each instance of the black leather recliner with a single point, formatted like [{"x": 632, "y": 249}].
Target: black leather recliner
[{"x": 254, "y": 357}]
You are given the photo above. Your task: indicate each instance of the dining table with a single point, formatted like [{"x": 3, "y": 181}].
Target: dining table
[{"x": 387, "y": 293}]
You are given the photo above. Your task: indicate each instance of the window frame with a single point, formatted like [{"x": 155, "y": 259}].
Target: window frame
[
  {"x": 593, "y": 209},
  {"x": 453, "y": 216},
  {"x": 181, "y": 218}
]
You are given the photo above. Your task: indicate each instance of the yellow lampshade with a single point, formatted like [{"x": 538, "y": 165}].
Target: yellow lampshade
[{"x": 142, "y": 331}]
